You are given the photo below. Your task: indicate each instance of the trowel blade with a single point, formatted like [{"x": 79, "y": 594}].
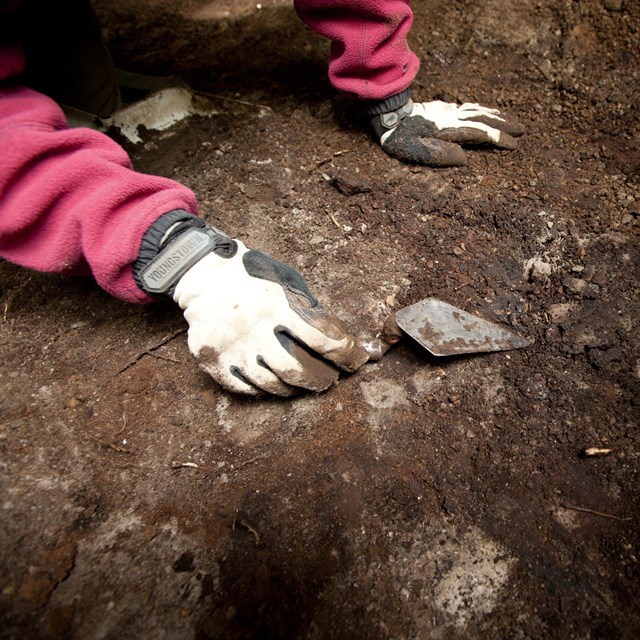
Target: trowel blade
[{"x": 445, "y": 330}]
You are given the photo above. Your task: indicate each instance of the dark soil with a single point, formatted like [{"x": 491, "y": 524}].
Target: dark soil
[{"x": 416, "y": 498}]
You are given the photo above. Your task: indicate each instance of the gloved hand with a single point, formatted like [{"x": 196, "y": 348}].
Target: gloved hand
[
  {"x": 430, "y": 133},
  {"x": 255, "y": 327}
]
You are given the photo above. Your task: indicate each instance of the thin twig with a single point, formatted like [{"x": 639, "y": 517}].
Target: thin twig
[
  {"x": 335, "y": 154},
  {"x": 591, "y": 511},
  {"x": 237, "y": 100},
  {"x": 333, "y": 219},
  {"x": 149, "y": 351},
  {"x": 594, "y": 452},
  {"x": 178, "y": 464},
  {"x": 540, "y": 70},
  {"x": 247, "y": 463},
  {"x": 115, "y": 447},
  {"x": 175, "y": 464},
  {"x": 167, "y": 358},
  {"x": 124, "y": 425},
  {"x": 12, "y": 294},
  {"x": 244, "y": 523}
]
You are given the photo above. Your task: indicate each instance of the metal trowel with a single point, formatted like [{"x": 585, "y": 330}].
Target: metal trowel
[{"x": 443, "y": 330}]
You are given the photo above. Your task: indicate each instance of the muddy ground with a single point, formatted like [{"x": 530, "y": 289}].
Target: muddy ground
[{"x": 417, "y": 498}]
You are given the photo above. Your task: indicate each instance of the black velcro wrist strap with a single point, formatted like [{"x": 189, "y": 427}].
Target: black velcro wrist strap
[
  {"x": 389, "y": 104},
  {"x": 158, "y": 235},
  {"x": 161, "y": 274}
]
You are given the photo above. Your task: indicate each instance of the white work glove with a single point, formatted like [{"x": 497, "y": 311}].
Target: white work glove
[
  {"x": 255, "y": 327},
  {"x": 430, "y": 133}
]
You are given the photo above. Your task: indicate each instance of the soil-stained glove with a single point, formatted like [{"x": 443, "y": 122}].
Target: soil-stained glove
[
  {"x": 431, "y": 133},
  {"x": 254, "y": 325}
]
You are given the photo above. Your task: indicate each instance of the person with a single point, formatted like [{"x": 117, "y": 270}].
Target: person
[
  {"x": 370, "y": 58},
  {"x": 71, "y": 202}
]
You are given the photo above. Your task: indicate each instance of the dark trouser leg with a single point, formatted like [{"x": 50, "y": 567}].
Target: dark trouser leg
[{"x": 66, "y": 58}]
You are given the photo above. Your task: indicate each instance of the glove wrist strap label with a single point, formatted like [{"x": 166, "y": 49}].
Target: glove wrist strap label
[{"x": 163, "y": 272}]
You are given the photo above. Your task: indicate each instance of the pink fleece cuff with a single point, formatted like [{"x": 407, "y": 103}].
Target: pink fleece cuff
[
  {"x": 370, "y": 55},
  {"x": 70, "y": 202}
]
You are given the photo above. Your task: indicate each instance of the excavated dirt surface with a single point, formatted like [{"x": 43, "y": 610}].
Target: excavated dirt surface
[{"x": 418, "y": 498}]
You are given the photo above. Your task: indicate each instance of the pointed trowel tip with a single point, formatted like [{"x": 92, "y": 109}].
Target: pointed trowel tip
[{"x": 445, "y": 330}]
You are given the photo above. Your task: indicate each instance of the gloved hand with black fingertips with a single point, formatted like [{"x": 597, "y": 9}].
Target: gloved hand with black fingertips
[
  {"x": 254, "y": 325},
  {"x": 430, "y": 133}
]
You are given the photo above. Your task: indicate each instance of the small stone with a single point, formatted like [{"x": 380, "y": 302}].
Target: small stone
[
  {"x": 349, "y": 185},
  {"x": 450, "y": 506},
  {"x": 538, "y": 270},
  {"x": 559, "y": 313},
  {"x": 184, "y": 563},
  {"x": 580, "y": 288},
  {"x": 613, "y": 5},
  {"x": 150, "y": 533},
  {"x": 36, "y": 588},
  {"x": 602, "y": 357}
]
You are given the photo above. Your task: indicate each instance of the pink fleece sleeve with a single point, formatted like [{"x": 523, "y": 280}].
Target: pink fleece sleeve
[
  {"x": 370, "y": 56},
  {"x": 70, "y": 201}
]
